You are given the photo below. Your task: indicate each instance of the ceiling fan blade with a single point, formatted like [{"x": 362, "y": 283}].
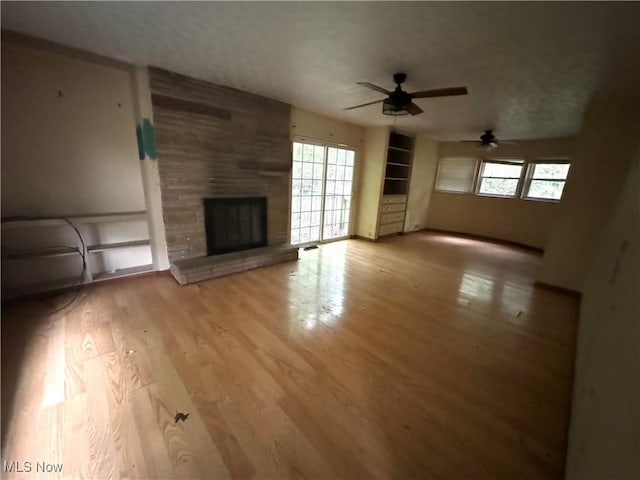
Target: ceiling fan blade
[
  {"x": 469, "y": 141},
  {"x": 374, "y": 87},
  {"x": 363, "y": 105},
  {"x": 442, "y": 92},
  {"x": 414, "y": 109}
]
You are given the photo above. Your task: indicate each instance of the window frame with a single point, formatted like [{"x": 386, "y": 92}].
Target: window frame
[
  {"x": 354, "y": 187},
  {"x": 503, "y": 161},
  {"x": 524, "y": 180},
  {"x": 531, "y": 166}
]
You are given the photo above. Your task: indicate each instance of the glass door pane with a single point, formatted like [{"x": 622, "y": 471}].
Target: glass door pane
[
  {"x": 306, "y": 192},
  {"x": 337, "y": 199}
]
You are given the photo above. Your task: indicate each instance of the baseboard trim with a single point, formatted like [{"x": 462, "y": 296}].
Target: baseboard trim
[
  {"x": 366, "y": 239},
  {"x": 483, "y": 238},
  {"x": 555, "y": 288}
]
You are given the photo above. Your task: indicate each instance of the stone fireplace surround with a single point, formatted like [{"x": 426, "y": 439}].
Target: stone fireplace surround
[{"x": 212, "y": 142}]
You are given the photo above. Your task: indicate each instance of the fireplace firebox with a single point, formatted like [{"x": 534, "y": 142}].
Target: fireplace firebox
[{"x": 235, "y": 223}]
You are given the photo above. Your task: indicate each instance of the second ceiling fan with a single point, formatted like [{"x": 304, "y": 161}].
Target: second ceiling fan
[
  {"x": 488, "y": 140},
  {"x": 399, "y": 102}
]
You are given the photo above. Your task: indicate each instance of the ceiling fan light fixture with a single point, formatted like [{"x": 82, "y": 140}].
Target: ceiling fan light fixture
[
  {"x": 391, "y": 108},
  {"x": 399, "y": 102}
]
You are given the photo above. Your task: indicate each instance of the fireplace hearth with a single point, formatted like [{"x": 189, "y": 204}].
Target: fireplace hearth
[{"x": 235, "y": 223}]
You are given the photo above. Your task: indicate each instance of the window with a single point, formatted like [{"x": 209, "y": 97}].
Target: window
[
  {"x": 321, "y": 190},
  {"x": 456, "y": 174},
  {"x": 307, "y": 192},
  {"x": 507, "y": 178},
  {"x": 500, "y": 177},
  {"x": 546, "y": 180}
]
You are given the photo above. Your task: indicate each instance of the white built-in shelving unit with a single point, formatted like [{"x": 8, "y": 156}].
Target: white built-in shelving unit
[
  {"x": 36, "y": 251},
  {"x": 397, "y": 174}
]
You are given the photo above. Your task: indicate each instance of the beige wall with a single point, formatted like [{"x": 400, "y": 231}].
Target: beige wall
[
  {"x": 604, "y": 148},
  {"x": 515, "y": 220},
  {"x": 68, "y": 136},
  {"x": 543, "y": 148},
  {"x": 604, "y": 435},
  {"x": 523, "y": 221},
  {"x": 319, "y": 127},
  {"x": 370, "y": 179},
  {"x": 423, "y": 175}
]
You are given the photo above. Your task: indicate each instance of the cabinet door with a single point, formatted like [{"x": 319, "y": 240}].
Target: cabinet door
[
  {"x": 392, "y": 217},
  {"x": 390, "y": 228}
]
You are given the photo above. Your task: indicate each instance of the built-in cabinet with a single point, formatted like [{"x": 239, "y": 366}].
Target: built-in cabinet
[
  {"x": 398, "y": 166},
  {"x": 384, "y": 182},
  {"x": 46, "y": 254},
  {"x": 392, "y": 213},
  {"x": 393, "y": 205}
]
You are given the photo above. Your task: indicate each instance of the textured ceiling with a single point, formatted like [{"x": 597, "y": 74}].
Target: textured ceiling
[{"x": 530, "y": 68}]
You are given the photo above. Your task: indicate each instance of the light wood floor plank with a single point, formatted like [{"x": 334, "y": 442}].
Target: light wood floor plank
[{"x": 424, "y": 356}]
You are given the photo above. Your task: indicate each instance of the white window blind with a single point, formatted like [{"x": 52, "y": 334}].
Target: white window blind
[{"x": 456, "y": 174}]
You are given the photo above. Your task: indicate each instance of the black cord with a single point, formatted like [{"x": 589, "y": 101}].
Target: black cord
[{"x": 81, "y": 252}]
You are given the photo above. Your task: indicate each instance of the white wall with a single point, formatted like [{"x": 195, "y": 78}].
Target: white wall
[
  {"x": 526, "y": 222},
  {"x": 150, "y": 174},
  {"x": 604, "y": 435},
  {"x": 423, "y": 174},
  {"x": 68, "y": 136},
  {"x": 604, "y": 148}
]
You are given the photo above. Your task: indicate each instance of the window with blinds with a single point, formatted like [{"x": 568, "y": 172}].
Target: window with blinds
[{"x": 456, "y": 174}]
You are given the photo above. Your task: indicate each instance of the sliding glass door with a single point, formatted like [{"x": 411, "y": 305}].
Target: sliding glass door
[{"x": 322, "y": 184}]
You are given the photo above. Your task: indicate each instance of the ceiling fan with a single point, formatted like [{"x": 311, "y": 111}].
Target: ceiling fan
[
  {"x": 400, "y": 102},
  {"x": 488, "y": 140}
]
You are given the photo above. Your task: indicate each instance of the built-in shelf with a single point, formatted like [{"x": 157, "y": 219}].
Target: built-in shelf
[
  {"x": 399, "y": 164},
  {"x": 396, "y": 183},
  {"x": 31, "y": 253},
  {"x": 408, "y": 150},
  {"x": 122, "y": 272},
  {"x": 84, "y": 224},
  {"x": 112, "y": 246},
  {"x": 28, "y": 222},
  {"x": 398, "y": 141}
]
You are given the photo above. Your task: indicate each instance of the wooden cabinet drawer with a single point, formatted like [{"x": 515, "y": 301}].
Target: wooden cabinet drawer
[
  {"x": 390, "y": 228},
  {"x": 389, "y": 199},
  {"x": 392, "y": 207},
  {"x": 392, "y": 217}
]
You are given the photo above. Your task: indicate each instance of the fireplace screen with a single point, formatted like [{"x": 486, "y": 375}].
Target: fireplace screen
[{"x": 234, "y": 224}]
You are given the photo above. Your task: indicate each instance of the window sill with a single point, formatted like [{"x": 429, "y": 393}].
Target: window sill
[
  {"x": 494, "y": 195},
  {"x": 543, "y": 200}
]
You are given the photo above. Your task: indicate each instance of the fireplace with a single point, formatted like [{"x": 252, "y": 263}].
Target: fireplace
[{"x": 235, "y": 223}]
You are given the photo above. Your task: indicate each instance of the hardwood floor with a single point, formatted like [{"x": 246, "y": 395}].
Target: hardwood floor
[{"x": 423, "y": 356}]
